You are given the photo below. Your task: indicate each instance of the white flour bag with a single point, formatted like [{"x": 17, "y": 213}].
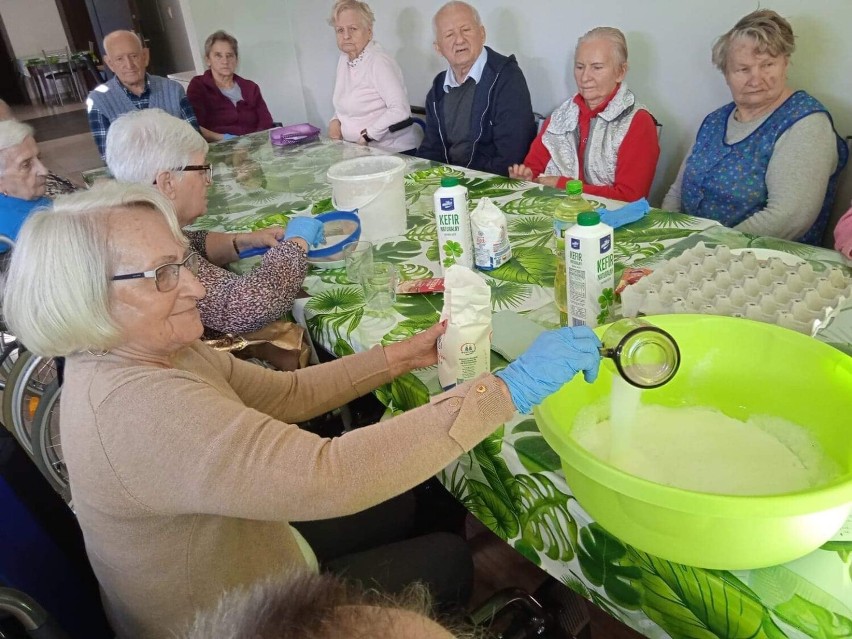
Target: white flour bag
[
  {"x": 464, "y": 351},
  {"x": 490, "y": 233}
]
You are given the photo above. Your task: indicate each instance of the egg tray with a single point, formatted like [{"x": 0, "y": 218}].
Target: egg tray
[{"x": 717, "y": 281}]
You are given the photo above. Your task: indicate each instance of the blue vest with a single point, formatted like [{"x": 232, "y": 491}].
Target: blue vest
[
  {"x": 727, "y": 182},
  {"x": 112, "y": 101}
]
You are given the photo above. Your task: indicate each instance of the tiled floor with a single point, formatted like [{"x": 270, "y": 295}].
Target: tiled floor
[{"x": 68, "y": 156}]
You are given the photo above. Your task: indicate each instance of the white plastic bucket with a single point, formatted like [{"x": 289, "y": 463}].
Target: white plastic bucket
[{"x": 374, "y": 186}]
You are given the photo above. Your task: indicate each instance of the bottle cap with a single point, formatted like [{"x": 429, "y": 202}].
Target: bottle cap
[
  {"x": 574, "y": 187},
  {"x": 588, "y": 218},
  {"x": 449, "y": 180}
]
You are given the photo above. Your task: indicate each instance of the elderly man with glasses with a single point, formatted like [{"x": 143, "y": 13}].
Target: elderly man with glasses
[{"x": 153, "y": 147}]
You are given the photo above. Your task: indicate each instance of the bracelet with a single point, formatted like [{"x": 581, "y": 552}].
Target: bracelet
[{"x": 234, "y": 242}]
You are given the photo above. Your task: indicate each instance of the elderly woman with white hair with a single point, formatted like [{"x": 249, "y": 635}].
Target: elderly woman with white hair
[
  {"x": 370, "y": 101},
  {"x": 602, "y": 135},
  {"x": 54, "y": 184},
  {"x": 768, "y": 162},
  {"x": 185, "y": 464},
  {"x": 153, "y": 147},
  {"x": 22, "y": 177}
]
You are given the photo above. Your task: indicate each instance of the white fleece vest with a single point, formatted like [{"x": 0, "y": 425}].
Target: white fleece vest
[{"x": 606, "y": 133}]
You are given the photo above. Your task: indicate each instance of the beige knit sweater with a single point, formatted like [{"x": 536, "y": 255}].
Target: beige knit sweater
[{"x": 184, "y": 479}]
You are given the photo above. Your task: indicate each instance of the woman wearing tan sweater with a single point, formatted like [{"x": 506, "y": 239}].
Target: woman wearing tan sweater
[{"x": 185, "y": 463}]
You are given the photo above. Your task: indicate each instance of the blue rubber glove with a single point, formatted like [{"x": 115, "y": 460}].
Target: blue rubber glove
[
  {"x": 309, "y": 229},
  {"x": 626, "y": 214},
  {"x": 552, "y": 360},
  {"x": 229, "y": 136}
]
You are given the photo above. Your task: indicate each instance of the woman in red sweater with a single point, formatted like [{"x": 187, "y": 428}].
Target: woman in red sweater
[
  {"x": 601, "y": 136},
  {"x": 226, "y": 104}
]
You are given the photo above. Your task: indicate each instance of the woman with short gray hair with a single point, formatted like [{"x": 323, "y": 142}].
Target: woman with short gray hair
[
  {"x": 225, "y": 103},
  {"x": 602, "y": 135},
  {"x": 370, "y": 100},
  {"x": 22, "y": 178},
  {"x": 768, "y": 162},
  {"x": 186, "y": 465},
  {"x": 152, "y": 147}
]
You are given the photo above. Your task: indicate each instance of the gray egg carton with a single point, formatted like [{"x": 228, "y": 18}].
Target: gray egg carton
[{"x": 716, "y": 281}]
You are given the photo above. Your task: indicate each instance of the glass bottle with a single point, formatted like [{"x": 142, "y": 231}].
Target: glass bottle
[
  {"x": 645, "y": 355},
  {"x": 564, "y": 216}
]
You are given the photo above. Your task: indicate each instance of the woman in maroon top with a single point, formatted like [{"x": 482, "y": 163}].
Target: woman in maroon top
[{"x": 224, "y": 103}]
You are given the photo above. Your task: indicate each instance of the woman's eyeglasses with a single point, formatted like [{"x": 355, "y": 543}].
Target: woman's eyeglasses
[
  {"x": 207, "y": 168},
  {"x": 165, "y": 277}
]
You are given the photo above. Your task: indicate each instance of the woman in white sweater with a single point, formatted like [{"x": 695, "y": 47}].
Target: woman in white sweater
[{"x": 370, "y": 101}]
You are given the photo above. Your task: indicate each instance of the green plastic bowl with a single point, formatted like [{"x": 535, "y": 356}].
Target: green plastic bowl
[{"x": 741, "y": 368}]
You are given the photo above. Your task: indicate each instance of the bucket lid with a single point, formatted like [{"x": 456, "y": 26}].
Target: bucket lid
[
  {"x": 449, "y": 180},
  {"x": 588, "y": 218},
  {"x": 366, "y": 168}
]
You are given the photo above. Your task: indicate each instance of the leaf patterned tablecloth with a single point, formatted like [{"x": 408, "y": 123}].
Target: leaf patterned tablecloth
[{"x": 512, "y": 481}]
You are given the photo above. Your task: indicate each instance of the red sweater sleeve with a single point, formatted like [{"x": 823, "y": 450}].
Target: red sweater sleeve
[
  {"x": 264, "y": 118},
  {"x": 538, "y": 157},
  {"x": 636, "y": 163},
  {"x": 196, "y": 97}
]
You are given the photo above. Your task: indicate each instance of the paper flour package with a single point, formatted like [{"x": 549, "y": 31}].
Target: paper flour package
[
  {"x": 464, "y": 351},
  {"x": 491, "y": 248}
]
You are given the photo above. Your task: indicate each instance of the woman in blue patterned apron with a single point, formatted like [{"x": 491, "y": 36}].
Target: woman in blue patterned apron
[{"x": 767, "y": 163}]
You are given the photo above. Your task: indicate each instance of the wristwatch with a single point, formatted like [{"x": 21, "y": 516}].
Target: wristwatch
[{"x": 366, "y": 137}]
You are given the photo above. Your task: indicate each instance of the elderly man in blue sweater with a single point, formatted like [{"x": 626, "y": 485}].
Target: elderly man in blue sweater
[
  {"x": 478, "y": 112},
  {"x": 132, "y": 88}
]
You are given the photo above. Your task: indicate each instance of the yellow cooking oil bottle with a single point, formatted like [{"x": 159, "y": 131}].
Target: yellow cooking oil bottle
[{"x": 564, "y": 216}]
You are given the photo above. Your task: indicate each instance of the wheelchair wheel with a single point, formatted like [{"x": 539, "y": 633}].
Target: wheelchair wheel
[
  {"x": 47, "y": 450},
  {"x": 8, "y": 356},
  {"x": 24, "y": 388}
]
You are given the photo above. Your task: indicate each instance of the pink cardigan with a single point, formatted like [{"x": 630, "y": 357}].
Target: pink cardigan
[
  {"x": 371, "y": 95},
  {"x": 843, "y": 234}
]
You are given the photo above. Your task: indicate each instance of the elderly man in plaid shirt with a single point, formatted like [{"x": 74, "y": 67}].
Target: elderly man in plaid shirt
[{"x": 132, "y": 88}]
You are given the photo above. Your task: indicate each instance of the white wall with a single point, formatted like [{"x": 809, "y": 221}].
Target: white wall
[
  {"x": 267, "y": 48},
  {"x": 669, "y": 42},
  {"x": 32, "y": 25}
]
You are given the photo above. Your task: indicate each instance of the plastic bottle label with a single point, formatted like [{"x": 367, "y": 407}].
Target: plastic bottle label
[
  {"x": 453, "y": 225},
  {"x": 491, "y": 248},
  {"x": 559, "y": 227},
  {"x": 590, "y": 264}
]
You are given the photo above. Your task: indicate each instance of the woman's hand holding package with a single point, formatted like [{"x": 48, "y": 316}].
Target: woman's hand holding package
[
  {"x": 415, "y": 352},
  {"x": 552, "y": 360}
]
